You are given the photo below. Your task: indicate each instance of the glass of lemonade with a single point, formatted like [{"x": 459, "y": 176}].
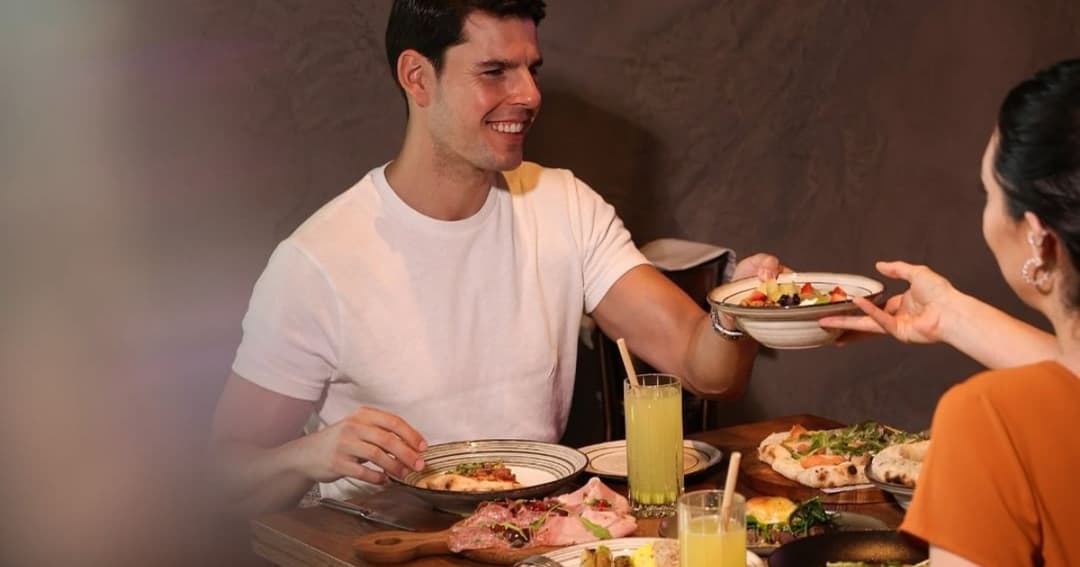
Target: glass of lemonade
[
  {"x": 703, "y": 541},
  {"x": 654, "y": 454}
]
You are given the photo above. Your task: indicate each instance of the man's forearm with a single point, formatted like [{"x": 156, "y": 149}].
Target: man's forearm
[
  {"x": 258, "y": 480},
  {"x": 718, "y": 367}
]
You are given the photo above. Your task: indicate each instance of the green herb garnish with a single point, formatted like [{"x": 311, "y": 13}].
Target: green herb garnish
[
  {"x": 465, "y": 468},
  {"x": 807, "y": 515},
  {"x": 596, "y": 529},
  {"x": 858, "y": 439}
]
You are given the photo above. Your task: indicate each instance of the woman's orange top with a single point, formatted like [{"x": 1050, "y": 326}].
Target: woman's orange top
[{"x": 1001, "y": 481}]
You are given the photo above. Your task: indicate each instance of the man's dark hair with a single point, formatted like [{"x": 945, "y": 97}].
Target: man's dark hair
[
  {"x": 431, "y": 26},
  {"x": 1038, "y": 156}
]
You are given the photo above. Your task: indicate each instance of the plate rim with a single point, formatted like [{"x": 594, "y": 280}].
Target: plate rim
[
  {"x": 579, "y": 468},
  {"x": 714, "y": 456}
]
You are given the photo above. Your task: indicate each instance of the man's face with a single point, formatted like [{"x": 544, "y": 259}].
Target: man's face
[{"x": 486, "y": 96}]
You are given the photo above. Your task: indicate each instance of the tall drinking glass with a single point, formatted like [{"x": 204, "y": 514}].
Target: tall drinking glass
[
  {"x": 703, "y": 541},
  {"x": 654, "y": 455}
]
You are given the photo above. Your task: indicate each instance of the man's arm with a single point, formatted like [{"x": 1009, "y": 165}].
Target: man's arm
[
  {"x": 267, "y": 464},
  {"x": 666, "y": 328},
  {"x": 256, "y": 445}
]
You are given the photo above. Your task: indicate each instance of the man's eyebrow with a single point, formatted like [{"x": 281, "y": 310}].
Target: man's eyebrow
[
  {"x": 495, "y": 63},
  {"x": 506, "y": 64}
]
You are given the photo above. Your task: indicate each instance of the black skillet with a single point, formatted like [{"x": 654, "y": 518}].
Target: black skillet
[{"x": 868, "y": 546}]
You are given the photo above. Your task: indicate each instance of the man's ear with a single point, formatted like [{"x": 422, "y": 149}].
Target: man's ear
[{"x": 416, "y": 75}]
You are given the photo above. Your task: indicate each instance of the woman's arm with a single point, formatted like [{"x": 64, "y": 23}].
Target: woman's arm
[{"x": 931, "y": 310}]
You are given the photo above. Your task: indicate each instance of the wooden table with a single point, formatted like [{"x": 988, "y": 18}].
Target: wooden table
[{"x": 323, "y": 537}]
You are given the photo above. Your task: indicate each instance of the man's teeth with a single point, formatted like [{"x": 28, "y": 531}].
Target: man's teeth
[{"x": 508, "y": 127}]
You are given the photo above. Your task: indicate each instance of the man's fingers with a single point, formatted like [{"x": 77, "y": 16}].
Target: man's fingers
[
  {"x": 353, "y": 468},
  {"x": 768, "y": 266},
  {"x": 761, "y": 265},
  {"x": 366, "y": 451},
  {"x": 393, "y": 423},
  {"x": 390, "y": 434}
]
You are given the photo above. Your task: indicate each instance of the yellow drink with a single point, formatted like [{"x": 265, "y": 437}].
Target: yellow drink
[
  {"x": 703, "y": 544},
  {"x": 654, "y": 444}
]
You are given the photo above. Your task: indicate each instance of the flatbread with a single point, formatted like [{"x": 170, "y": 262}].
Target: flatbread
[
  {"x": 900, "y": 464},
  {"x": 847, "y": 472}
]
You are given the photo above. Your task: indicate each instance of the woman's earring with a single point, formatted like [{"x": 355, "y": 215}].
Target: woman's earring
[
  {"x": 1031, "y": 270},
  {"x": 1031, "y": 274}
]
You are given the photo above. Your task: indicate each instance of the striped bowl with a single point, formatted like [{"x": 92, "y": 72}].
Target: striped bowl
[{"x": 541, "y": 468}]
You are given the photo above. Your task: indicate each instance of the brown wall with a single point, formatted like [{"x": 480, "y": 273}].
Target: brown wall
[{"x": 158, "y": 154}]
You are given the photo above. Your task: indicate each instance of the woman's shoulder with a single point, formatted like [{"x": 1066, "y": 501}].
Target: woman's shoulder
[
  {"x": 1010, "y": 393},
  {"x": 1002, "y": 381}
]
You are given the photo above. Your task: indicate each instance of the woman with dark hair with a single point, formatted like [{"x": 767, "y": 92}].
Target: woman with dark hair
[{"x": 997, "y": 486}]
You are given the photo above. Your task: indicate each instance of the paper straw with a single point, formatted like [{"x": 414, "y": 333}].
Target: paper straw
[
  {"x": 628, "y": 363},
  {"x": 729, "y": 488}
]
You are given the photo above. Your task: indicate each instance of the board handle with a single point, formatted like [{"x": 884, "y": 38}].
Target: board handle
[{"x": 399, "y": 546}]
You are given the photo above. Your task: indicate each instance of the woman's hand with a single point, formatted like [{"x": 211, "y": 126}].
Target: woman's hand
[{"x": 914, "y": 316}]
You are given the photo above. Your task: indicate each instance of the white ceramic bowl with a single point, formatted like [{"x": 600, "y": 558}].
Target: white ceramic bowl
[{"x": 793, "y": 327}]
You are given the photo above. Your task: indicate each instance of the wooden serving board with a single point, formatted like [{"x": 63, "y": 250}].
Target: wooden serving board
[
  {"x": 397, "y": 546},
  {"x": 402, "y": 546},
  {"x": 760, "y": 477}
]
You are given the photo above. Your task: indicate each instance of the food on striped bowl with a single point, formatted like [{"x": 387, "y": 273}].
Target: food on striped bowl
[{"x": 481, "y": 476}]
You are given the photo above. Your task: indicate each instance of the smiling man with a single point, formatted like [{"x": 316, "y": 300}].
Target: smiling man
[{"x": 439, "y": 298}]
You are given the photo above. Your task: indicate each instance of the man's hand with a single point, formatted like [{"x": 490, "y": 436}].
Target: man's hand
[
  {"x": 266, "y": 463},
  {"x": 764, "y": 266},
  {"x": 367, "y": 435},
  {"x": 914, "y": 316}
]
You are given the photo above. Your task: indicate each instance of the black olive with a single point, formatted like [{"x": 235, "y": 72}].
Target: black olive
[
  {"x": 783, "y": 300},
  {"x": 795, "y": 299}
]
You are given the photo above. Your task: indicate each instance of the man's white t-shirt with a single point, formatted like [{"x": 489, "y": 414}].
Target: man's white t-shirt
[{"x": 466, "y": 329}]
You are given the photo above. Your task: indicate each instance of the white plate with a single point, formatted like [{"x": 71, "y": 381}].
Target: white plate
[
  {"x": 541, "y": 468},
  {"x": 571, "y": 556},
  {"x": 608, "y": 460}
]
